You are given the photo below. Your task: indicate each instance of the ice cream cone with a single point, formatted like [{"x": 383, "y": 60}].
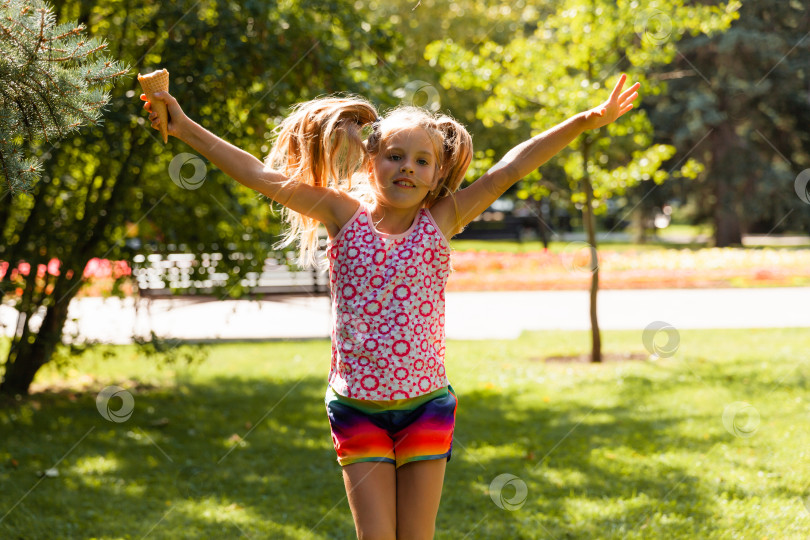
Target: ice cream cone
[{"x": 157, "y": 81}]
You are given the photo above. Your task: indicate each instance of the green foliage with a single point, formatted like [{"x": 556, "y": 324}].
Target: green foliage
[
  {"x": 53, "y": 80},
  {"x": 737, "y": 101},
  {"x": 565, "y": 64}
]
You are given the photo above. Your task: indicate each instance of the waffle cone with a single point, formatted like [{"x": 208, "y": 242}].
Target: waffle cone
[{"x": 157, "y": 81}]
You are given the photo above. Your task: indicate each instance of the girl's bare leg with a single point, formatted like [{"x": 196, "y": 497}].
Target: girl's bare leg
[
  {"x": 371, "y": 488},
  {"x": 419, "y": 492}
]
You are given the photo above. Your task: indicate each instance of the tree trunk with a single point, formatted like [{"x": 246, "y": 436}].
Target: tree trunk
[
  {"x": 590, "y": 228},
  {"x": 24, "y": 363},
  {"x": 727, "y": 228},
  {"x": 31, "y": 351},
  {"x": 640, "y": 222}
]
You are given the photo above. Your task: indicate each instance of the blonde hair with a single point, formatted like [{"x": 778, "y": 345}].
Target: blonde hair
[{"x": 320, "y": 143}]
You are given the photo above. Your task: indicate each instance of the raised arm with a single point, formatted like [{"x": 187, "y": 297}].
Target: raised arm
[
  {"x": 316, "y": 202},
  {"x": 531, "y": 154}
]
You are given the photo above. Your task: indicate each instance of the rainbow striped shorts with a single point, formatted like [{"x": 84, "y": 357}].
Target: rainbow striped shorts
[{"x": 397, "y": 431}]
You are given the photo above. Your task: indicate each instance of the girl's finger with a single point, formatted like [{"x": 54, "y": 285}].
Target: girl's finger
[
  {"x": 618, "y": 88},
  {"x": 630, "y": 91}
]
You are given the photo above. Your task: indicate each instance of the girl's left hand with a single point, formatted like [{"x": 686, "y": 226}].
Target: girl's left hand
[{"x": 618, "y": 104}]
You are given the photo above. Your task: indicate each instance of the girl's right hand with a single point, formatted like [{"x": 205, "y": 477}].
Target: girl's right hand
[{"x": 177, "y": 118}]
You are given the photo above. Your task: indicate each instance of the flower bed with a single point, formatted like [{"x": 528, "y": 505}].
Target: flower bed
[
  {"x": 665, "y": 268},
  {"x": 499, "y": 271}
]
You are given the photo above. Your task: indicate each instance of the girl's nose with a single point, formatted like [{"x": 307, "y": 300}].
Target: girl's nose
[{"x": 406, "y": 168}]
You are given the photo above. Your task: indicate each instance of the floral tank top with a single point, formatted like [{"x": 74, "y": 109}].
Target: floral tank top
[{"x": 388, "y": 308}]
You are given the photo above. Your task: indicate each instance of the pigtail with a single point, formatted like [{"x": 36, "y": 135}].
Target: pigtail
[
  {"x": 319, "y": 144},
  {"x": 457, "y": 155}
]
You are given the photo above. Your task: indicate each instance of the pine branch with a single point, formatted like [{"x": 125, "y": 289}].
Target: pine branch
[{"x": 51, "y": 83}]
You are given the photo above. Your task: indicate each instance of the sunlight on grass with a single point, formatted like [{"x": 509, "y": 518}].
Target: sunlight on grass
[{"x": 96, "y": 465}]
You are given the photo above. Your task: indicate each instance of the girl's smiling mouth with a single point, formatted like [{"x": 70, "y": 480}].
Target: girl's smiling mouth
[{"x": 404, "y": 183}]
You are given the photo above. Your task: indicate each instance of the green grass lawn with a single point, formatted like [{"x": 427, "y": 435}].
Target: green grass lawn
[
  {"x": 670, "y": 238},
  {"x": 239, "y": 445}
]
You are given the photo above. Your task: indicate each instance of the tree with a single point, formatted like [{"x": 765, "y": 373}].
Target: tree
[
  {"x": 49, "y": 84},
  {"x": 237, "y": 71},
  {"x": 739, "y": 101},
  {"x": 557, "y": 69}
]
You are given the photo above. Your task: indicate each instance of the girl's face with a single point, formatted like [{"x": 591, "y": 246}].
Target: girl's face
[{"x": 405, "y": 169}]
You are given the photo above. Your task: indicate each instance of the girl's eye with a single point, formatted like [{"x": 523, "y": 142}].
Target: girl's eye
[{"x": 398, "y": 157}]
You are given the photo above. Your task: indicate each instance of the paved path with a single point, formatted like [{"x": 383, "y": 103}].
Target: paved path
[{"x": 479, "y": 315}]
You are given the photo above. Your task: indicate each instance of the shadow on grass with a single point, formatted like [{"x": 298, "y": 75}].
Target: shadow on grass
[
  {"x": 216, "y": 460},
  {"x": 562, "y": 454},
  {"x": 250, "y": 457}
]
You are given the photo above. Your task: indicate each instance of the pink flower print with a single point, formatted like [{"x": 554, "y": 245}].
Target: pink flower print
[
  {"x": 348, "y": 291},
  {"x": 369, "y": 383},
  {"x": 401, "y": 348},
  {"x": 379, "y": 257},
  {"x": 372, "y": 308},
  {"x": 402, "y": 292}
]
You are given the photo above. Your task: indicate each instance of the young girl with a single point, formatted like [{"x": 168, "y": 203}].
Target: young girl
[{"x": 389, "y": 205}]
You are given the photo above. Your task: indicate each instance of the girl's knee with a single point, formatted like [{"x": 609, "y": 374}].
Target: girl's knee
[
  {"x": 384, "y": 533},
  {"x": 415, "y": 531}
]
